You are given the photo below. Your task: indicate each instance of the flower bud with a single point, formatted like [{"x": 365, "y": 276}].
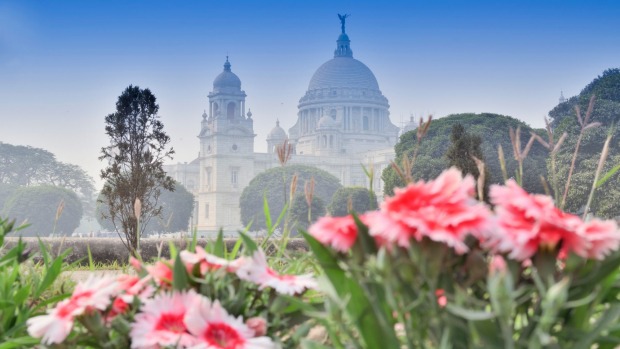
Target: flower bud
[{"x": 258, "y": 325}]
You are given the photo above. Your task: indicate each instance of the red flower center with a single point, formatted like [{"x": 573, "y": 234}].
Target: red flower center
[
  {"x": 223, "y": 336},
  {"x": 171, "y": 322}
]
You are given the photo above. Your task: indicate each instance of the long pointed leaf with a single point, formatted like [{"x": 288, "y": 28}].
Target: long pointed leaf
[{"x": 375, "y": 333}]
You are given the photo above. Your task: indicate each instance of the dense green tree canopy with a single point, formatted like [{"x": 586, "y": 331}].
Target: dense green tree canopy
[
  {"x": 361, "y": 199},
  {"x": 300, "y": 211},
  {"x": 463, "y": 148},
  {"x": 39, "y": 206},
  {"x": 606, "y": 111},
  {"x": 271, "y": 184},
  {"x": 28, "y": 166},
  {"x": 493, "y": 129},
  {"x": 177, "y": 208}
]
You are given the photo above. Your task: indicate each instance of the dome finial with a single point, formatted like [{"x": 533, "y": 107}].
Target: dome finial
[
  {"x": 277, "y": 122},
  {"x": 343, "y": 19},
  {"x": 343, "y": 44},
  {"x": 227, "y": 64}
]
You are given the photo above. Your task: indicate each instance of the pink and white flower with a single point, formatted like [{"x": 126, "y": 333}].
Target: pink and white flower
[
  {"x": 338, "y": 232},
  {"x": 531, "y": 222},
  {"x": 161, "y": 272},
  {"x": 257, "y": 270},
  {"x": 161, "y": 321},
  {"x": 95, "y": 293},
  {"x": 206, "y": 261},
  {"x": 443, "y": 210},
  {"x": 214, "y": 328}
]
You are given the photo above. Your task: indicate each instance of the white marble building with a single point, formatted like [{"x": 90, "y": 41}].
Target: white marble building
[{"x": 343, "y": 122}]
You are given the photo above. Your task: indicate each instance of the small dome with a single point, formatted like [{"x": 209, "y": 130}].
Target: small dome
[
  {"x": 277, "y": 133},
  {"x": 343, "y": 72},
  {"x": 326, "y": 122},
  {"x": 226, "y": 79}
]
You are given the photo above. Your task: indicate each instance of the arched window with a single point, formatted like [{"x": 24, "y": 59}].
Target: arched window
[
  {"x": 333, "y": 112},
  {"x": 331, "y": 141},
  {"x": 230, "y": 110},
  {"x": 365, "y": 123},
  {"x": 324, "y": 141},
  {"x": 216, "y": 109}
]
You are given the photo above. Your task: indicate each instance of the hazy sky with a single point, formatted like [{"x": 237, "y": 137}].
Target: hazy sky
[{"x": 64, "y": 63}]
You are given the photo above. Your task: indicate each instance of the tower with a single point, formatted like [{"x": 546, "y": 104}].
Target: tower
[{"x": 226, "y": 154}]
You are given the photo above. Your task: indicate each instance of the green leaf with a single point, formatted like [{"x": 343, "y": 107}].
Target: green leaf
[
  {"x": 369, "y": 318},
  {"x": 235, "y": 250},
  {"x": 91, "y": 264},
  {"x": 308, "y": 344},
  {"x": 249, "y": 243},
  {"x": 173, "y": 250},
  {"x": 19, "y": 342},
  {"x": 607, "y": 176},
  {"x": 219, "y": 249},
  {"x": 51, "y": 274},
  {"x": 267, "y": 213},
  {"x": 609, "y": 318},
  {"x": 471, "y": 315},
  {"x": 180, "y": 279}
]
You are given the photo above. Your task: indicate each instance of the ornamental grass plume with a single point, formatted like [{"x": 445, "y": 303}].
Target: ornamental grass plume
[
  {"x": 584, "y": 124},
  {"x": 405, "y": 170},
  {"x": 518, "y": 153}
]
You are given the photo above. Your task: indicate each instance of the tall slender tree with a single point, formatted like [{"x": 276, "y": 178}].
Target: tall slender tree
[
  {"x": 138, "y": 147},
  {"x": 463, "y": 148}
]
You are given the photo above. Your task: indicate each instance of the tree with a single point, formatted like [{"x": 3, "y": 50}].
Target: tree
[
  {"x": 361, "y": 199},
  {"x": 605, "y": 112},
  {"x": 28, "y": 166},
  {"x": 493, "y": 130},
  {"x": 177, "y": 208},
  {"x": 463, "y": 148},
  {"x": 40, "y": 207},
  {"x": 269, "y": 184},
  {"x": 300, "y": 211},
  {"x": 138, "y": 147}
]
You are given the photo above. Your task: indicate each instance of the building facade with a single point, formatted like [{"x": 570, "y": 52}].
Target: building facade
[{"x": 342, "y": 124}]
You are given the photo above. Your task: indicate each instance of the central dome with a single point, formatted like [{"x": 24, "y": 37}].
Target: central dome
[{"x": 344, "y": 72}]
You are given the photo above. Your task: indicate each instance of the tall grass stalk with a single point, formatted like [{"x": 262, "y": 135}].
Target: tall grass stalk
[
  {"x": 554, "y": 148},
  {"x": 405, "y": 170},
  {"x": 599, "y": 169},
  {"x": 584, "y": 124}
]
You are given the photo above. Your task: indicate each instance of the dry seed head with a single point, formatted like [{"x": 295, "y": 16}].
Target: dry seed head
[
  {"x": 481, "y": 177},
  {"x": 284, "y": 152},
  {"x": 137, "y": 208},
  {"x": 309, "y": 191},
  {"x": 293, "y": 187},
  {"x": 60, "y": 208},
  {"x": 560, "y": 141}
]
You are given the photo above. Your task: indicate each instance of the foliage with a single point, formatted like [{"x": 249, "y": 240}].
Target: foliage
[
  {"x": 246, "y": 288},
  {"x": 25, "y": 288},
  {"x": 177, "y": 208},
  {"x": 299, "y": 211},
  {"x": 138, "y": 147},
  {"x": 409, "y": 286},
  {"x": 494, "y": 131},
  {"x": 606, "y": 112},
  {"x": 361, "y": 200},
  {"x": 47, "y": 209},
  {"x": 463, "y": 148},
  {"x": 6, "y": 190},
  {"x": 269, "y": 184},
  {"x": 28, "y": 166}
]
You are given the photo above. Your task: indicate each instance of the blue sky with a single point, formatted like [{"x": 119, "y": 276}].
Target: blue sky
[{"x": 64, "y": 63}]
